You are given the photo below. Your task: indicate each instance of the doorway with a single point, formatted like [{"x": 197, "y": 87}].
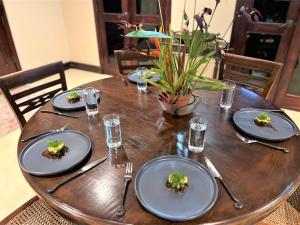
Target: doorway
[
  {"x": 9, "y": 61},
  {"x": 288, "y": 87},
  {"x": 110, "y": 37}
]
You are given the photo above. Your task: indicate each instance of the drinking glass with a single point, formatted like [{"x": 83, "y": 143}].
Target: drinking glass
[
  {"x": 227, "y": 95},
  {"x": 90, "y": 96},
  {"x": 112, "y": 130},
  {"x": 197, "y": 131},
  {"x": 141, "y": 84}
]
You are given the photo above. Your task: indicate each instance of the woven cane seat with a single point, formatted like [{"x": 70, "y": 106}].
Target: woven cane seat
[
  {"x": 288, "y": 213},
  {"x": 37, "y": 213}
]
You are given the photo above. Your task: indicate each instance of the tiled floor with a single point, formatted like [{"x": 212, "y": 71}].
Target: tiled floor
[{"x": 14, "y": 190}]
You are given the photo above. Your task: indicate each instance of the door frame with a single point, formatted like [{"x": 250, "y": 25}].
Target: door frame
[
  {"x": 12, "y": 47},
  {"x": 131, "y": 16},
  {"x": 242, "y": 26},
  {"x": 282, "y": 98}
]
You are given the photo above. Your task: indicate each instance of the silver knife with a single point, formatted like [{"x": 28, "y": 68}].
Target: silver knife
[
  {"x": 214, "y": 172},
  {"x": 76, "y": 174},
  {"x": 265, "y": 110},
  {"x": 59, "y": 113}
]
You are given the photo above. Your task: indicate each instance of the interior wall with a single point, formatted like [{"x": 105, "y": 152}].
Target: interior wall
[
  {"x": 38, "y": 31},
  {"x": 50, "y": 30},
  {"x": 222, "y": 19},
  {"x": 81, "y": 31}
]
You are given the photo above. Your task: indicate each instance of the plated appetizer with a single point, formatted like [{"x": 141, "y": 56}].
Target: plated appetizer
[
  {"x": 73, "y": 97},
  {"x": 56, "y": 149},
  {"x": 177, "y": 182},
  {"x": 263, "y": 120}
]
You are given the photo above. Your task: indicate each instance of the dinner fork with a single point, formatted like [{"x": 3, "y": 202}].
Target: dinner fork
[
  {"x": 124, "y": 81},
  {"x": 47, "y": 132},
  {"x": 251, "y": 141},
  {"x": 127, "y": 179}
]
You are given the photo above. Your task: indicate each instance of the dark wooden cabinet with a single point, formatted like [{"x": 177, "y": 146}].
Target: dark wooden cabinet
[{"x": 273, "y": 38}]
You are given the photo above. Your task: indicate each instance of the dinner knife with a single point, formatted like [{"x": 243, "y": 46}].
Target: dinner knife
[
  {"x": 59, "y": 113},
  {"x": 76, "y": 174},
  {"x": 214, "y": 172}
]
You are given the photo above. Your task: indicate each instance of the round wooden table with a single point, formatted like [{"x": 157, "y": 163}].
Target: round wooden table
[{"x": 260, "y": 177}]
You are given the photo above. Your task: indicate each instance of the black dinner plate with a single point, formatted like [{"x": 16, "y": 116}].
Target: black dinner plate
[
  {"x": 283, "y": 128},
  {"x": 60, "y": 101},
  {"x": 134, "y": 77},
  {"x": 152, "y": 193},
  {"x": 32, "y": 161}
]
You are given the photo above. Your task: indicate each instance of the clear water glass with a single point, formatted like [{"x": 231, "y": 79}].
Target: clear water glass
[
  {"x": 197, "y": 131},
  {"x": 227, "y": 95},
  {"x": 112, "y": 130},
  {"x": 141, "y": 84},
  {"x": 90, "y": 96}
]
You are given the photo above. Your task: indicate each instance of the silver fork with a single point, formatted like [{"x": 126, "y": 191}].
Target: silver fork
[
  {"x": 47, "y": 132},
  {"x": 127, "y": 179},
  {"x": 251, "y": 141},
  {"x": 124, "y": 81}
]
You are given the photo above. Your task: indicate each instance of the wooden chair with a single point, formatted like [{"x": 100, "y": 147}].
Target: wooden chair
[
  {"x": 130, "y": 60},
  {"x": 35, "y": 211},
  {"x": 242, "y": 69},
  {"x": 23, "y": 101}
]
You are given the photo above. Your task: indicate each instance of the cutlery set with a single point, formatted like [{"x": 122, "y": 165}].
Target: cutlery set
[
  {"x": 251, "y": 141},
  {"x": 214, "y": 172},
  {"x": 47, "y": 132},
  {"x": 59, "y": 113},
  {"x": 76, "y": 174},
  {"x": 127, "y": 179},
  {"x": 123, "y": 80}
]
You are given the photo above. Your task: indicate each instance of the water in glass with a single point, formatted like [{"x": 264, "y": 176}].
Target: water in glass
[
  {"x": 91, "y": 96},
  {"x": 197, "y": 134},
  {"x": 141, "y": 84},
  {"x": 112, "y": 130},
  {"x": 227, "y": 95}
]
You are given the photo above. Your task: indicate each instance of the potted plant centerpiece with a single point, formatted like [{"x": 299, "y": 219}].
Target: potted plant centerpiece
[{"x": 179, "y": 57}]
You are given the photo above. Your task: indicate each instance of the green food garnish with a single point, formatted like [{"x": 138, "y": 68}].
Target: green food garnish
[
  {"x": 177, "y": 179},
  {"x": 263, "y": 117},
  {"x": 73, "y": 94},
  {"x": 55, "y": 146}
]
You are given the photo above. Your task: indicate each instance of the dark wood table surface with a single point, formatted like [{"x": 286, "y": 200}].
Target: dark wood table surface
[{"x": 260, "y": 177}]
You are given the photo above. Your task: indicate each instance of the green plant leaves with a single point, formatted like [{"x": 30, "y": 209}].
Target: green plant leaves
[
  {"x": 146, "y": 34},
  {"x": 198, "y": 43}
]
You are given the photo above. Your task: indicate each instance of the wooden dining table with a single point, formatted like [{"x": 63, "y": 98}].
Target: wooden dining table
[{"x": 261, "y": 177}]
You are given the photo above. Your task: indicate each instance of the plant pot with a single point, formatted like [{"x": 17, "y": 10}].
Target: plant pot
[{"x": 183, "y": 105}]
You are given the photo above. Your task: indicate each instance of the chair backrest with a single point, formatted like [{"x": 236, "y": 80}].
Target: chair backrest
[
  {"x": 255, "y": 74},
  {"x": 24, "y": 98},
  {"x": 130, "y": 60}
]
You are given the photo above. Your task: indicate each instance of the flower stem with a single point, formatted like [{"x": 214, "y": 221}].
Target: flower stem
[
  {"x": 227, "y": 29},
  {"x": 161, "y": 18},
  {"x": 205, "y": 67},
  {"x": 212, "y": 15},
  {"x": 181, "y": 32},
  {"x": 194, "y": 14}
]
